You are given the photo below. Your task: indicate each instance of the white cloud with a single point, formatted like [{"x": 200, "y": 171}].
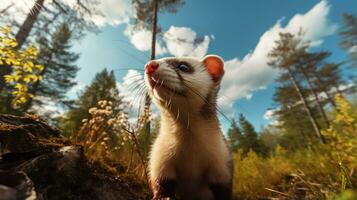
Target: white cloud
[
  {"x": 182, "y": 41},
  {"x": 353, "y": 49},
  {"x": 269, "y": 114},
  {"x": 113, "y": 12},
  {"x": 141, "y": 39},
  {"x": 176, "y": 41},
  {"x": 18, "y": 8},
  {"x": 110, "y": 12},
  {"x": 252, "y": 73}
]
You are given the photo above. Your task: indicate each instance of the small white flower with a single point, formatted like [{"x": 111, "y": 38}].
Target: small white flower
[{"x": 92, "y": 111}]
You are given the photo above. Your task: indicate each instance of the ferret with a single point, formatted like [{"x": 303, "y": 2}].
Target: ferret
[{"x": 189, "y": 159}]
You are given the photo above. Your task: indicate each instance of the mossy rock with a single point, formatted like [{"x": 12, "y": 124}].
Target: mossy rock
[{"x": 37, "y": 163}]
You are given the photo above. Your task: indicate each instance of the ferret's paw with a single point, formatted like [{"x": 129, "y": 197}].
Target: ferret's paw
[
  {"x": 166, "y": 198},
  {"x": 221, "y": 191},
  {"x": 163, "y": 189}
]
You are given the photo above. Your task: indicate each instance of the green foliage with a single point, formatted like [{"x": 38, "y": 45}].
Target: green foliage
[
  {"x": 234, "y": 136},
  {"x": 346, "y": 195},
  {"x": 307, "y": 84},
  {"x": 243, "y": 137},
  {"x": 253, "y": 174},
  {"x": 349, "y": 37},
  {"x": 60, "y": 71},
  {"x": 343, "y": 140},
  {"x": 320, "y": 172},
  {"x": 25, "y": 71},
  {"x": 249, "y": 140}
]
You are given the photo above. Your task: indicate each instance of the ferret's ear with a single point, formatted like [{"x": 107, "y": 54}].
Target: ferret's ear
[{"x": 215, "y": 66}]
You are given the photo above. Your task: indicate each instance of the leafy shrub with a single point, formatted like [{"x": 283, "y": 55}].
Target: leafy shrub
[
  {"x": 254, "y": 176},
  {"x": 24, "y": 70},
  {"x": 110, "y": 138}
]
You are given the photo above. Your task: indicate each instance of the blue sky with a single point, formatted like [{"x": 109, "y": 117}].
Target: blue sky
[
  {"x": 234, "y": 29},
  {"x": 241, "y": 32}
]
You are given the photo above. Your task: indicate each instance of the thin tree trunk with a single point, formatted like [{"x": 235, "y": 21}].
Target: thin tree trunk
[
  {"x": 154, "y": 29},
  {"x": 316, "y": 96},
  {"x": 319, "y": 84},
  {"x": 307, "y": 108},
  {"x": 152, "y": 57},
  {"x": 6, "y": 9},
  {"x": 21, "y": 36}
]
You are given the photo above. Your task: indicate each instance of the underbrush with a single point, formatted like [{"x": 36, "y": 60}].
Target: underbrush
[
  {"x": 322, "y": 172},
  {"x": 112, "y": 141},
  {"x": 318, "y": 172}
]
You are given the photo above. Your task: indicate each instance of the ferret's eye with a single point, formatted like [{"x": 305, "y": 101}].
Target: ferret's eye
[{"x": 183, "y": 67}]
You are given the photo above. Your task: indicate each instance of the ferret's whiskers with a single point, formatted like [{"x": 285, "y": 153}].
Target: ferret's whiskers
[
  {"x": 131, "y": 45},
  {"x": 209, "y": 103},
  {"x": 129, "y": 68},
  {"x": 171, "y": 99},
  {"x": 133, "y": 56},
  {"x": 141, "y": 92},
  {"x": 178, "y": 113},
  {"x": 137, "y": 90}
]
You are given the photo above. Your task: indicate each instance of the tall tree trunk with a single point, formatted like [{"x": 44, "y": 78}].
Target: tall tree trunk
[
  {"x": 154, "y": 30},
  {"x": 320, "y": 85},
  {"x": 21, "y": 36},
  {"x": 316, "y": 96},
  {"x": 301, "y": 131},
  {"x": 30, "y": 20},
  {"x": 306, "y": 106},
  {"x": 152, "y": 57}
]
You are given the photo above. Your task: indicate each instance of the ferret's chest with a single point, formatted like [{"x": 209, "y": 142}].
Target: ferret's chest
[
  {"x": 191, "y": 160},
  {"x": 195, "y": 153}
]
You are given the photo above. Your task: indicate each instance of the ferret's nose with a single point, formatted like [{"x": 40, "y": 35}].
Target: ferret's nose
[{"x": 151, "y": 67}]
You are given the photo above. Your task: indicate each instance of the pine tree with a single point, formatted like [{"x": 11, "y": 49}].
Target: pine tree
[
  {"x": 292, "y": 119},
  {"x": 318, "y": 63},
  {"x": 286, "y": 56},
  {"x": 249, "y": 139},
  {"x": 60, "y": 70},
  {"x": 330, "y": 77},
  {"x": 234, "y": 136},
  {"x": 349, "y": 37},
  {"x": 269, "y": 138},
  {"x": 308, "y": 63},
  {"x": 103, "y": 87}
]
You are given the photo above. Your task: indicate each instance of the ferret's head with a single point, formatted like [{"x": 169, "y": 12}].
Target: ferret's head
[{"x": 184, "y": 83}]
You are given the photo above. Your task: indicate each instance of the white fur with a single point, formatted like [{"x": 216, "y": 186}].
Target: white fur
[{"x": 189, "y": 148}]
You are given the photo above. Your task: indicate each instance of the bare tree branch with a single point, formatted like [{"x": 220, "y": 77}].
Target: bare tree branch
[
  {"x": 3, "y": 11},
  {"x": 60, "y": 7}
]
